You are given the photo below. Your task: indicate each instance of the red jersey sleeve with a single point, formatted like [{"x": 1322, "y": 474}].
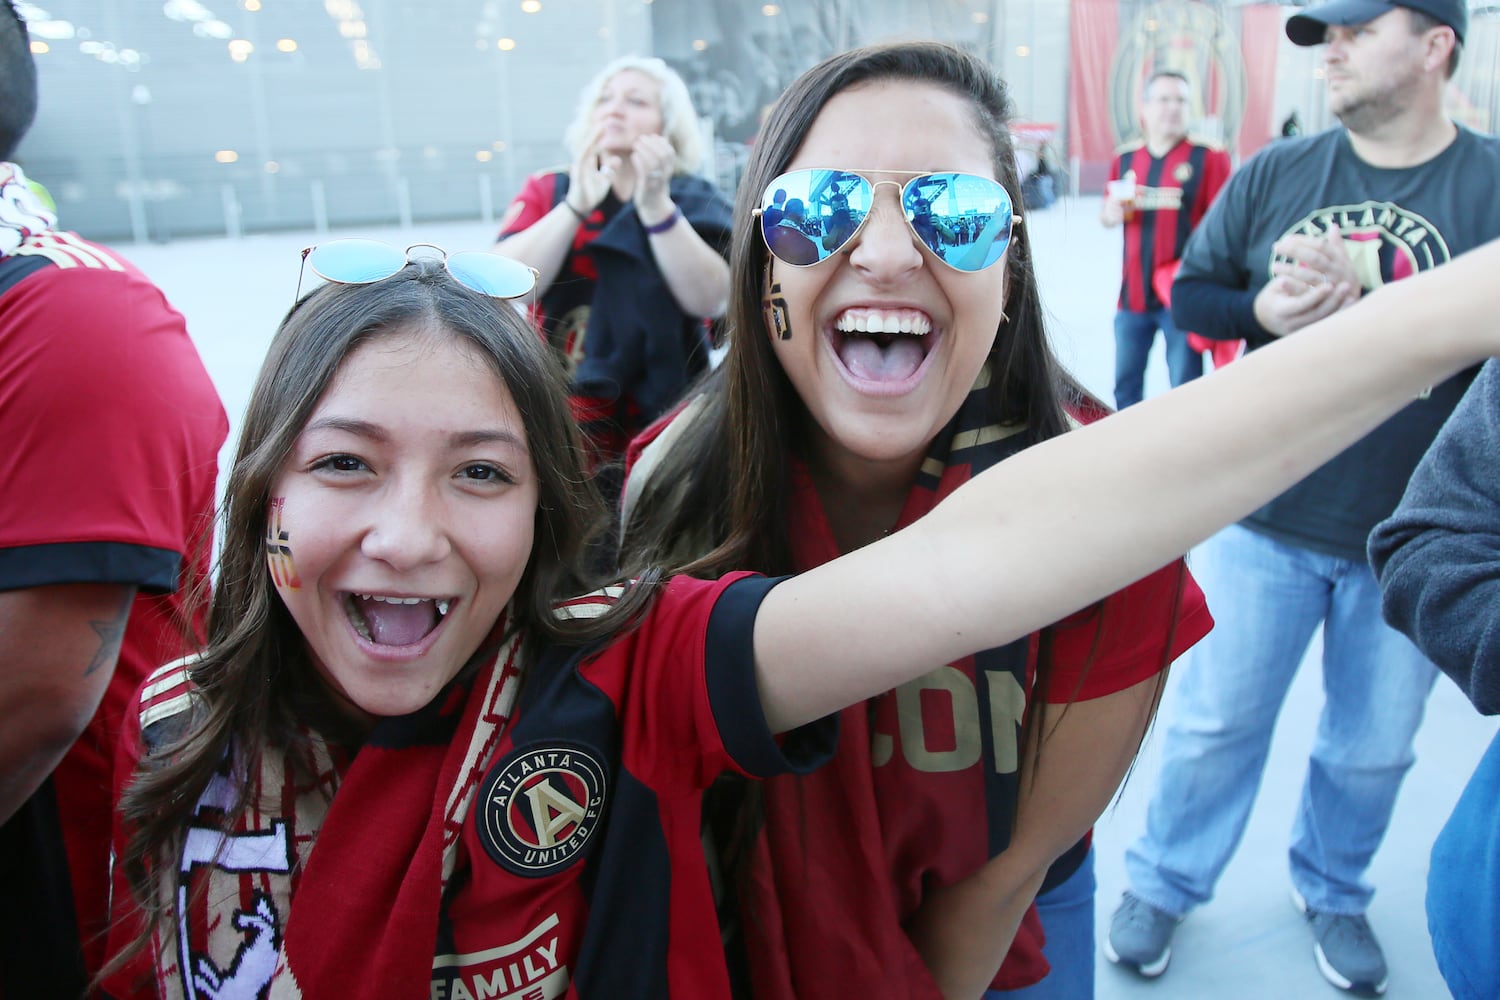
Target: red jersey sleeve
[
  {"x": 687, "y": 699},
  {"x": 110, "y": 423},
  {"x": 1128, "y": 637},
  {"x": 537, "y": 198}
]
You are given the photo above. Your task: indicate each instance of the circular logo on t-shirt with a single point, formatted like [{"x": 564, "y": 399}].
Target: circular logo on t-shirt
[
  {"x": 1384, "y": 241},
  {"x": 539, "y": 806}
]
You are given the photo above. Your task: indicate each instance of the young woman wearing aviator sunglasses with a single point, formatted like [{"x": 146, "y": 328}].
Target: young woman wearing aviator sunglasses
[
  {"x": 407, "y": 763},
  {"x": 861, "y": 387}
]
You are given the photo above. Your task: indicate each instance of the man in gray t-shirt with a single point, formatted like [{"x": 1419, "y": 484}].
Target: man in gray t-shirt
[{"x": 1301, "y": 231}]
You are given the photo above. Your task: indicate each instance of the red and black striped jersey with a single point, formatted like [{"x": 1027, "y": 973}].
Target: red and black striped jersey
[{"x": 1173, "y": 192}]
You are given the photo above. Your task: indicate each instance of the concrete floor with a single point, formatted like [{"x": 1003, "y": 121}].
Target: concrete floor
[{"x": 1248, "y": 942}]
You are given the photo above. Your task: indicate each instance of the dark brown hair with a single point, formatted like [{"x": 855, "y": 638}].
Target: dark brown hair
[
  {"x": 727, "y": 476},
  {"x": 718, "y": 500}
]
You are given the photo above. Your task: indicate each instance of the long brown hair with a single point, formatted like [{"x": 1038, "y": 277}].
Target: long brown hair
[
  {"x": 726, "y": 477},
  {"x": 254, "y": 680},
  {"x": 718, "y": 499}
]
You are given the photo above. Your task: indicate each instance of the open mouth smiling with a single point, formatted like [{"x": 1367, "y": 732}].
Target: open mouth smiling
[
  {"x": 883, "y": 351},
  {"x": 388, "y": 620}
]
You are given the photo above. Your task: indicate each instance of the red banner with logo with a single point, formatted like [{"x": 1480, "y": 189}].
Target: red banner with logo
[{"x": 1227, "y": 53}]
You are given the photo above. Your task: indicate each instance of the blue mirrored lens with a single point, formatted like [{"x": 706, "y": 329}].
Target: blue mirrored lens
[
  {"x": 491, "y": 274},
  {"x": 963, "y": 218},
  {"x": 807, "y": 215},
  {"x": 355, "y": 261}
]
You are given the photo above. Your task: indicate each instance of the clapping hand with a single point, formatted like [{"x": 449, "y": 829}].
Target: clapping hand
[
  {"x": 1311, "y": 277},
  {"x": 592, "y": 174},
  {"x": 652, "y": 160}
]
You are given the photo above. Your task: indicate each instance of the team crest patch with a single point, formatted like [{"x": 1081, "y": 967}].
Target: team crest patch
[
  {"x": 539, "y": 806},
  {"x": 1183, "y": 173}
]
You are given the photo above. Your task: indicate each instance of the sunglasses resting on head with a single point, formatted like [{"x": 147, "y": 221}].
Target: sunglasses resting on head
[
  {"x": 362, "y": 262},
  {"x": 807, "y": 216}
]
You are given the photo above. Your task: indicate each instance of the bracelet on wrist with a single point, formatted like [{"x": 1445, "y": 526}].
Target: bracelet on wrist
[
  {"x": 582, "y": 216},
  {"x": 664, "y": 224}
]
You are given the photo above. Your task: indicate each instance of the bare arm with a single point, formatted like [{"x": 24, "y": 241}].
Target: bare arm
[
  {"x": 1134, "y": 491},
  {"x": 545, "y": 243},
  {"x": 58, "y": 646},
  {"x": 696, "y": 275},
  {"x": 964, "y": 930},
  {"x": 694, "y": 272}
]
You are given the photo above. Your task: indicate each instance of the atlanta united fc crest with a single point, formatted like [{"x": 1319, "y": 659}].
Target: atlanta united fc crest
[{"x": 539, "y": 806}]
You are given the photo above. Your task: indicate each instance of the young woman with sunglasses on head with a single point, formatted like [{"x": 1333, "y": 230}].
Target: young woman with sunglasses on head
[
  {"x": 407, "y": 763},
  {"x": 629, "y": 242},
  {"x": 860, "y": 388}
]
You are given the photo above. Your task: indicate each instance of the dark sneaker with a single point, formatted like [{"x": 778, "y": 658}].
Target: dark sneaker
[
  {"x": 1140, "y": 937},
  {"x": 1348, "y": 954}
]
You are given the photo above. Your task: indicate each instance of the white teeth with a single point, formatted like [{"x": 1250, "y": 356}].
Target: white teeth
[
  {"x": 393, "y": 600},
  {"x": 443, "y": 603},
  {"x": 908, "y": 321}
]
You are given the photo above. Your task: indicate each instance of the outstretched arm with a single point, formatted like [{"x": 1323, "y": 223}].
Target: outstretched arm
[{"x": 1133, "y": 491}]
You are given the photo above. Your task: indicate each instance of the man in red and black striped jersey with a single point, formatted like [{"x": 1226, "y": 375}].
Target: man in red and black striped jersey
[
  {"x": 112, "y": 432},
  {"x": 1158, "y": 189}
]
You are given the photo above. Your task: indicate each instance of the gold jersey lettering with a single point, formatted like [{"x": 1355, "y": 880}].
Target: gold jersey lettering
[
  {"x": 951, "y": 686},
  {"x": 1007, "y": 710}
]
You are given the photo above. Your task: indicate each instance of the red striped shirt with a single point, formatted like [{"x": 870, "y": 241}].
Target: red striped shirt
[{"x": 1173, "y": 193}]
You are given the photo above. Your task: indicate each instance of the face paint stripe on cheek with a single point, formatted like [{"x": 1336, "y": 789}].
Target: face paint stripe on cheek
[
  {"x": 279, "y": 548},
  {"x": 774, "y": 307}
]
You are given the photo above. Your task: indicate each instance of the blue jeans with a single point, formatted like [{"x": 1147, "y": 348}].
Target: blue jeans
[
  {"x": 1067, "y": 912},
  {"x": 1134, "y": 333},
  {"x": 1463, "y": 906},
  {"x": 1267, "y": 599}
]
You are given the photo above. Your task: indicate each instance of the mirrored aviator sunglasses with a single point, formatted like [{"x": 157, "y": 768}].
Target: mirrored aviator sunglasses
[
  {"x": 362, "y": 262},
  {"x": 807, "y": 216}
]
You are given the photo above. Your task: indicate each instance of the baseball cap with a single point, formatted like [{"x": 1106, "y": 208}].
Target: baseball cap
[{"x": 1307, "y": 28}]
